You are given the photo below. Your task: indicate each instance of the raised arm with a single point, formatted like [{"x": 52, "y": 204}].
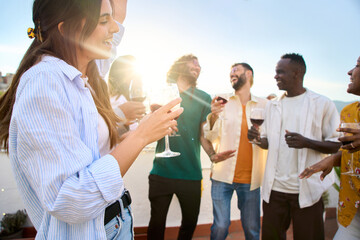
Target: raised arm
[{"x": 120, "y": 10}]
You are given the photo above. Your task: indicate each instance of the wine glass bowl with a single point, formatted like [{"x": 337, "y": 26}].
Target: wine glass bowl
[
  {"x": 137, "y": 94},
  {"x": 159, "y": 97},
  {"x": 136, "y": 91},
  {"x": 257, "y": 118},
  {"x": 224, "y": 101},
  {"x": 344, "y": 134}
]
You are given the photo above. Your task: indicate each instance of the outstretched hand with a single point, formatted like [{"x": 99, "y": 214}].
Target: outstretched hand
[
  {"x": 324, "y": 165},
  {"x": 219, "y": 157}
]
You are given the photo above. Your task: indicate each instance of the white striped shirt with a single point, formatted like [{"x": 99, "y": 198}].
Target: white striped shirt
[{"x": 53, "y": 145}]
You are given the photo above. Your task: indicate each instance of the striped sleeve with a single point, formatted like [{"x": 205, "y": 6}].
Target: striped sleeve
[{"x": 70, "y": 184}]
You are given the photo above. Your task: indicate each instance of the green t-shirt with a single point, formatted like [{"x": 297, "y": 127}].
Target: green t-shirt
[{"x": 197, "y": 105}]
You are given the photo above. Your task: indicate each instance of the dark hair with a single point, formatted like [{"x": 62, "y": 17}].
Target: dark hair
[
  {"x": 47, "y": 14},
  {"x": 179, "y": 68},
  {"x": 296, "y": 59},
  {"x": 121, "y": 72},
  {"x": 247, "y": 67}
]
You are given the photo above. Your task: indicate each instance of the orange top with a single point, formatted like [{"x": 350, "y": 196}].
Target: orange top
[
  {"x": 349, "y": 196},
  {"x": 244, "y": 158}
]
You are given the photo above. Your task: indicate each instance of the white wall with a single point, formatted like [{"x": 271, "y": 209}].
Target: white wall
[{"x": 136, "y": 180}]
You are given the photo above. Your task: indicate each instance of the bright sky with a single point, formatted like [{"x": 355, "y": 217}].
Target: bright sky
[{"x": 220, "y": 33}]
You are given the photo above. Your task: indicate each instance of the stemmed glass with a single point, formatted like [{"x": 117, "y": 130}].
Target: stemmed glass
[
  {"x": 136, "y": 92},
  {"x": 160, "y": 97},
  {"x": 224, "y": 101},
  {"x": 257, "y": 118},
  {"x": 343, "y": 134}
]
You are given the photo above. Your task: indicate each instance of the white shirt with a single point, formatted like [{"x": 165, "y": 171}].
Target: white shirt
[
  {"x": 225, "y": 135},
  {"x": 286, "y": 175},
  {"x": 318, "y": 120}
]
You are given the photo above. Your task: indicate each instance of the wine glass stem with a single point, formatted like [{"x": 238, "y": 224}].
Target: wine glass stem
[{"x": 167, "y": 145}]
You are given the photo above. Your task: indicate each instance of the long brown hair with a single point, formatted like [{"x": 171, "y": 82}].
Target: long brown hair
[{"x": 47, "y": 14}]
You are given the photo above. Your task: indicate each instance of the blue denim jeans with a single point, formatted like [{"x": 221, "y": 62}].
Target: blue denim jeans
[
  {"x": 248, "y": 204},
  {"x": 121, "y": 226}
]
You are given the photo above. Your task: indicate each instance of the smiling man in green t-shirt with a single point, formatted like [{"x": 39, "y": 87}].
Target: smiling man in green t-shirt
[{"x": 182, "y": 175}]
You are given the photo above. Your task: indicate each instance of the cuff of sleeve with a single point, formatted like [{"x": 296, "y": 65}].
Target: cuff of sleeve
[
  {"x": 213, "y": 133},
  {"x": 106, "y": 172},
  {"x": 119, "y": 112},
  {"x": 333, "y": 139},
  {"x": 119, "y": 35}
]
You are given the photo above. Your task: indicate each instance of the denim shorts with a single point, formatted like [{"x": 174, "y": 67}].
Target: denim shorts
[{"x": 121, "y": 226}]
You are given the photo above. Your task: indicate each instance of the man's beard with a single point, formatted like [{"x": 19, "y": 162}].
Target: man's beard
[
  {"x": 240, "y": 82},
  {"x": 190, "y": 78}
]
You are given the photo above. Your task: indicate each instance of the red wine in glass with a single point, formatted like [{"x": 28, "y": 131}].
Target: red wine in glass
[
  {"x": 256, "y": 122},
  {"x": 223, "y": 99},
  {"x": 138, "y": 99}
]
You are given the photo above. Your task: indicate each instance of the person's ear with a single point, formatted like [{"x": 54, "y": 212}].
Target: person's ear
[
  {"x": 248, "y": 74},
  {"x": 60, "y": 28}
]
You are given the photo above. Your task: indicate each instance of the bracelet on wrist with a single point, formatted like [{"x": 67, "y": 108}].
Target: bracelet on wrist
[{"x": 212, "y": 154}]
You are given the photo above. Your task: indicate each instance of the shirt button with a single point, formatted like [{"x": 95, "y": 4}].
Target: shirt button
[{"x": 116, "y": 226}]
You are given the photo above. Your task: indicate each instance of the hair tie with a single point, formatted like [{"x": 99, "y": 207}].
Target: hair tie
[
  {"x": 31, "y": 33},
  {"x": 35, "y": 33}
]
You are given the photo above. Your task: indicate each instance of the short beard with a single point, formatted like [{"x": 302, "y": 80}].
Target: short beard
[
  {"x": 189, "y": 78},
  {"x": 240, "y": 82}
]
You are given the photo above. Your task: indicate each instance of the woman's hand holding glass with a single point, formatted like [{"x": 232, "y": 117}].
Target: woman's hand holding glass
[
  {"x": 137, "y": 96},
  {"x": 350, "y": 138},
  {"x": 133, "y": 110},
  {"x": 160, "y": 96},
  {"x": 159, "y": 123}
]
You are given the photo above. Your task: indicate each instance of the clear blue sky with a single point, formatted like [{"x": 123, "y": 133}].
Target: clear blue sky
[{"x": 221, "y": 32}]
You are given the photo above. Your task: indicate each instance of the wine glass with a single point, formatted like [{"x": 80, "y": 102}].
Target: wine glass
[
  {"x": 160, "y": 97},
  {"x": 257, "y": 118},
  {"x": 343, "y": 134},
  {"x": 136, "y": 92},
  {"x": 224, "y": 101}
]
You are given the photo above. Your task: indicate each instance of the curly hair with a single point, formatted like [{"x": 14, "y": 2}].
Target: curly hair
[{"x": 179, "y": 68}]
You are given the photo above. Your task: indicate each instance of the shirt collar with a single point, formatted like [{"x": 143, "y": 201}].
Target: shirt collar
[
  {"x": 68, "y": 70},
  {"x": 252, "y": 97}
]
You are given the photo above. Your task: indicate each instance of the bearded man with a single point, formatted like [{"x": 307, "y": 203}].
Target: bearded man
[{"x": 243, "y": 172}]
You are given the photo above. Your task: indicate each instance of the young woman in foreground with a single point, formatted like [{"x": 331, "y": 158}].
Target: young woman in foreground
[{"x": 50, "y": 123}]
